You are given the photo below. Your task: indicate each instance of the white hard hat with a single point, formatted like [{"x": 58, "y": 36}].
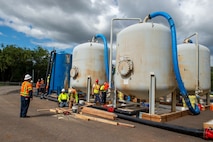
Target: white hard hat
[
  {"x": 63, "y": 90},
  {"x": 27, "y": 77}
]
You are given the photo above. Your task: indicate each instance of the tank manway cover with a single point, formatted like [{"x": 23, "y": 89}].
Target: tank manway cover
[
  {"x": 74, "y": 72},
  {"x": 124, "y": 67}
]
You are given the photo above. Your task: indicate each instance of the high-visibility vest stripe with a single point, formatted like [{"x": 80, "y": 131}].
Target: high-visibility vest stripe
[{"x": 26, "y": 87}]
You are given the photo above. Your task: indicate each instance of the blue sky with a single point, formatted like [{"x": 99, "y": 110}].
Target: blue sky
[
  {"x": 9, "y": 36},
  {"x": 62, "y": 25}
]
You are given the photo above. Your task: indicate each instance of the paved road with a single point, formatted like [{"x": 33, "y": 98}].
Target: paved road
[{"x": 45, "y": 126}]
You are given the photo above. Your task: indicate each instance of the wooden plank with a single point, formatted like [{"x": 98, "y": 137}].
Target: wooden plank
[
  {"x": 146, "y": 116},
  {"x": 44, "y": 109},
  {"x": 184, "y": 112},
  {"x": 98, "y": 119},
  {"x": 81, "y": 117},
  {"x": 126, "y": 125},
  {"x": 58, "y": 110},
  {"x": 173, "y": 115},
  {"x": 53, "y": 110},
  {"x": 99, "y": 113},
  {"x": 89, "y": 104},
  {"x": 155, "y": 117},
  {"x": 85, "y": 117},
  {"x": 208, "y": 124}
]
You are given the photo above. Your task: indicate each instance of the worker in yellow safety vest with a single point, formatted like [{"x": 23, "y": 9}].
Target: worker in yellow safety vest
[
  {"x": 95, "y": 91},
  {"x": 63, "y": 99},
  {"x": 26, "y": 94},
  {"x": 73, "y": 94}
]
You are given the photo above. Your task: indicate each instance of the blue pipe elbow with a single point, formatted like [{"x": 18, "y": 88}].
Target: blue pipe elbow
[
  {"x": 106, "y": 56},
  {"x": 181, "y": 86}
]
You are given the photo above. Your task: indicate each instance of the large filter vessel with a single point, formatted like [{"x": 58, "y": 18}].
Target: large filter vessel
[
  {"x": 194, "y": 65},
  {"x": 144, "y": 49},
  {"x": 88, "y": 62},
  {"x": 60, "y": 76}
]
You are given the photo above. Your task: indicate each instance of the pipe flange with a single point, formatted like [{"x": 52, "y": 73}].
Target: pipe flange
[
  {"x": 74, "y": 72},
  {"x": 124, "y": 67}
]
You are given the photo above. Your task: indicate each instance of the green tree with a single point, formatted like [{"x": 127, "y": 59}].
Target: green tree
[
  {"x": 40, "y": 61},
  {"x": 15, "y": 62}
]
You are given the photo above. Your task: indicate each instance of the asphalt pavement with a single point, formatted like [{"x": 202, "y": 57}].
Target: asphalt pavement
[{"x": 47, "y": 126}]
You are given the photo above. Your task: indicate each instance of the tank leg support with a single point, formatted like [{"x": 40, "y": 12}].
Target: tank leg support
[
  {"x": 88, "y": 88},
  {"x": 152, "y": 93}
]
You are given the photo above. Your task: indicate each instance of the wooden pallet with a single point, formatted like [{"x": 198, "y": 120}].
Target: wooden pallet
[
  {"x": 164, "y": 117},
  {"x": 167, "y": 116}
]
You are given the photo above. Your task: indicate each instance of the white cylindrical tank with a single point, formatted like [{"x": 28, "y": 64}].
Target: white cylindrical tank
[
  {"x": 189, "y": 67},
  {"x": 144, "y": 49},
  {"x": 88, "y": 61}
]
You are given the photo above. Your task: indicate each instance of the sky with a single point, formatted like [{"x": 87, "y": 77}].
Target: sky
[{"x": 64, "y": 24}]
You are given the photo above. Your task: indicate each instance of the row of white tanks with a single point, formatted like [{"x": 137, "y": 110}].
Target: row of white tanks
[{"x": 142, "y": 49}]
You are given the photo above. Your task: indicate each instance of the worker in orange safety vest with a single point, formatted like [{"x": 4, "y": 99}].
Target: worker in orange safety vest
[
  {"x": 37, "y": 87},
  {"x": 26, "y": 94}
]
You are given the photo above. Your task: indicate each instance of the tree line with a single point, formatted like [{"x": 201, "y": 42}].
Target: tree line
[{"x": 15, "y": 62}]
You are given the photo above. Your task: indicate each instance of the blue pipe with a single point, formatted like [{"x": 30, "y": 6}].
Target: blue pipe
[
  {"x": 182, "y": 88},
  {"x": 106, "y": 57}
]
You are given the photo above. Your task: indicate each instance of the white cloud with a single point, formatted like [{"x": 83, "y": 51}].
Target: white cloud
[
  {"x": 54, "y": 44},
  {"x": 68, "y": 23}
]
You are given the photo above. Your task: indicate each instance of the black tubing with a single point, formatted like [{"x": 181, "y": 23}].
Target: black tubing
[
  {"x": 122, "y": 111},
  {"x": 179, "y": 129},
  {"x": 170, "y": 127},
  {"x": 50, "y": 98}
]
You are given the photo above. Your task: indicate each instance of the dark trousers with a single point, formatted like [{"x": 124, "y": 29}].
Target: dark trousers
[
  {"x": 97, "y": 98},
  {"x": 103, "y": 98},
  {"x": 25, "y": 103},
  {"x": 37, "y": 93}
]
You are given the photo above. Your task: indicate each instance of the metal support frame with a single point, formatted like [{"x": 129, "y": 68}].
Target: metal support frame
[
  {"x": 197, "y": 91},
  {"x": 173, "y": 107},
  {"x": 111, "y": 55}
]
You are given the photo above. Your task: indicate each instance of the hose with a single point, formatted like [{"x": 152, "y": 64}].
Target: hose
[
  {"x": 206, "y": 133},
  {"x": 170, "y": 127},
  {"x": 106, "y": 56},
  {"x": 183, "y": 91},
  {"x": 46, "y": 96}
]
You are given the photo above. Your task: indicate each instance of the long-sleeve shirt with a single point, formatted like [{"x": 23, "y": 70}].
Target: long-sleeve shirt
[{"x": 63, "y": 97}]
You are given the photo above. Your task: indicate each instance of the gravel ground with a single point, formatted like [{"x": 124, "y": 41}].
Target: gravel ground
[{"x": 46, "y": 126}]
